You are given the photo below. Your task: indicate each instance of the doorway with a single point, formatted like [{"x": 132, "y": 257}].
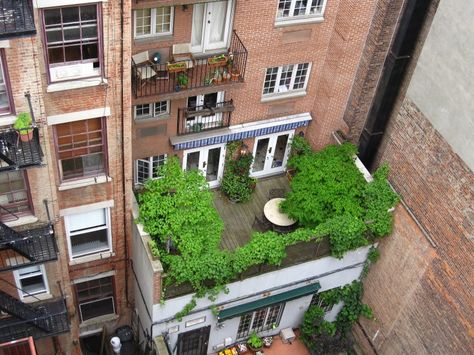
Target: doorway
[
  {"x": 211, "y": 26},
  {"x": 200, "y": 102},
  {"x": 194, "y": 342},
  {"x": 271, "y": 154},
  {"x": 208, "y": 160},
  {"x": 93, "y": 344}
]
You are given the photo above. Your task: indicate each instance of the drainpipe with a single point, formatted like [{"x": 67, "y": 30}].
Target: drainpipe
[{"x": 406, "y": 39}]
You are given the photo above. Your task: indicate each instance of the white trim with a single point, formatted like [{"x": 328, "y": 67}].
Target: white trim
[
  {"x": 76, "y": 84},
  {"x": 53, "y": 3},
  {"x": 92, "y": 257},
  {"x": 22, "y": 221},
  {"x": 298, "y": 21},
  {"x": 94, "y": 277},
  {"x": 282, "y": 96},
  {"x": 153, "y": 33},
  {"x": 78, "y": 115},
  {"x": 5, "y": 44},
  {"x": 307, "y": 14},
  {"x": 86, "y": 208},
  {"x": 74, "y": 184},
  {"x": 42, "y": 272}
]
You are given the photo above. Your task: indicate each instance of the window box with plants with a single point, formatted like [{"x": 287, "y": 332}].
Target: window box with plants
[
  {"x": 218, "y": 60},
  {"x": 23, "y": 125},
  {"x": 255, "y": 343},
  {"x": 177, "y": 67}
]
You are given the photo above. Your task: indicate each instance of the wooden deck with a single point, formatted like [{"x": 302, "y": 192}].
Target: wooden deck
[{"x": 239, "y": 217}]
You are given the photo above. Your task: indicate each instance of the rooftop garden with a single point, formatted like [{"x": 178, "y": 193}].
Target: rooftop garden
[{"x": 329, "y": 198}]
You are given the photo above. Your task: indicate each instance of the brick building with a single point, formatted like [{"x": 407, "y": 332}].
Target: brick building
[{"x": 420, "y": 116}]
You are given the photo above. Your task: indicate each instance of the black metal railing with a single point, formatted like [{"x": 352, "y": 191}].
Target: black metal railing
[
  {"x": 228, "y": 68},
  {"x": 204, "y": 118},
  {"x": 19, "y": 150},
  {"x": 28, "y": 247},
  {"x": 16, "y": 18},
  {"x": 46, "y": 319}
]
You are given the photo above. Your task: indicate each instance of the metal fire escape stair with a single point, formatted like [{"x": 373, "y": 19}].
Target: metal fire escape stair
[
  {"x": 16, "y": 241},
  {"x": 36, "y": 316}
]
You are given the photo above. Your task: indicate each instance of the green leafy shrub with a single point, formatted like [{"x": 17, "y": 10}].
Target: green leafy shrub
[
  {"x": 23, "y": 123},
  {"x": 255, "y": 341}
]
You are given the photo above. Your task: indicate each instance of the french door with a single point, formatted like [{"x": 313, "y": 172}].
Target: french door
[
  {"x": 200, "y": 102},
  {"x": 194, "y": 342},
  {"x": 211, "y": 26},
  {"x": 208, "y": 160},
  {"x": 271, "y": 154}
]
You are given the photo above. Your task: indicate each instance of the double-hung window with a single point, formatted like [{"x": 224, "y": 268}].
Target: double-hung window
[
  {"x": 153, "y": 22},
  {"x": 294, "y": 11},
  {"x": 95, "y": 298},
  {"x": 31, "y": 281},
  {"x": 5, "y": 99},
  {"x": 81, "y": 147},
  {"x": 289, "y": 79},
  {"x": 147, "y": 168},
  {"x": 153, "y": 110},
  {"x": 73, "y": 40},
  {"x": 259, "y": 320},
  {"x": 88, "y": 232},
  {"x": 318, "y": 301},
  {"x": 14, "y": 195}
]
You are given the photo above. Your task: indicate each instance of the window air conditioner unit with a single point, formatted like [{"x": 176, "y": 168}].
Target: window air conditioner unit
[{"x": 287, "y": 335}]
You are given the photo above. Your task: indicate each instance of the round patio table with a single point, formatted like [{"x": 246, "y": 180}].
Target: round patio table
[{"x": 272, "y": 212}]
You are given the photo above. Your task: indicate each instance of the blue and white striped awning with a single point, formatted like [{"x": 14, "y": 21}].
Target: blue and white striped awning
[{"x": 243, "y": 131}]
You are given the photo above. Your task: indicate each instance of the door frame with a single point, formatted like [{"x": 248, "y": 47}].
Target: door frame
[
  {"x": 271, "y": 144},
  {"x": 206, "y": 331},
  {"x": 205, "y": 149},
  {"x": 206, "y": 29}
]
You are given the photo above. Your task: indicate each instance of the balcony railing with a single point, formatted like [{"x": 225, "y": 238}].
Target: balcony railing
[
  {"x": 17, "y": 152},
  {"x": 150, "y": 80},
  {"x": 204, "y": 118},
  {"x": 16, "y": 18},
  {"x": 47, "y": 319},
  {"x": 28, "y": 247}
]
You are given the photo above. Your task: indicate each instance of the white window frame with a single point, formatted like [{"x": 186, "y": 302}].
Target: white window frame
[
  {"x": 18, "y": 277},
  {"x": 316, "y": 300},
  {"x": 153, "y": 32},
  {"x": 291, "y": 91},
  {"x": 79, "y": 304},
  {"x": 93, "y": 229},
  {"x": 152, "y": 107},
  {"x": 295, "y": 19},
  {"x": 151, "y": 166},
  {"x": 252, "y": 324}
]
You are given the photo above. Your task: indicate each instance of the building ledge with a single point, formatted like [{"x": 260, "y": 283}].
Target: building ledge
[
  {"x": 76, "y": 84},
  {"x": 68, "y": 185}
]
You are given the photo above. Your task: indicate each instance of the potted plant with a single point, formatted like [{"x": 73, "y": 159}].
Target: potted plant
[
  {"x": 255, "y": 343},
  {"x": 182, "y": 81},
  {"x": 23, "y": 126}
]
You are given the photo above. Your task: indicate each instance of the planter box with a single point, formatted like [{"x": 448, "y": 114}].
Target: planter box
[
  {"x": 215, "y": 62},
  {"x": 177, "y": 67}
]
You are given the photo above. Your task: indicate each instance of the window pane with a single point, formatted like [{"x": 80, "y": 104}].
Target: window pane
[
  {"x": 70, "y": 14},
  {"x": 284, "y": 8},
  {"x": 300, "y": 7},
  {"x": 142, "y": 170},
  {"x": 270, "y": 80},
  {"x": 88, "y": 13},
  {"x": 73, "y": 53},
  {"x": 33, "y": 285},
  {"x": 316, "y": 7},
  {"x": 285, "y": 78},
  {"x": 143, "y": 22},
  {"x": 52, "y": 17},
  {"x": 300, "y": 78},
  {"x": 13, "y": 195},
  {"x": 161, "y": 107},
  {"x": 53, "y": 35},
  {"x": 71, "y": 33},
  {"x": 163, "y": 19},
  {"x": 89, "y": 243},
  {"x": 4, "y": 101},
  {"x": 97, "y": 308}
]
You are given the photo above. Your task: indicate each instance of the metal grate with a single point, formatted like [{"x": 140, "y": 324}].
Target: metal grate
[
  {"x": 15, "y": 153},
  {"x": 16, "y": 18},
  {"x": 204, "y": 118}
]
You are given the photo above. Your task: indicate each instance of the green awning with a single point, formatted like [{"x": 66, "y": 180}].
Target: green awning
[{"x": 267, "y": 301}]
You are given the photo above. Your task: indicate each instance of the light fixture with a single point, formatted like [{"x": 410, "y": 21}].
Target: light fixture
[{"x": 244, "y": 149}]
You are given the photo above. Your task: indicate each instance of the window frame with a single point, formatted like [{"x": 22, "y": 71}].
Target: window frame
[
  {"x": 151, "y": 168},
  {"x": 278, "y": 78},
  {"x": 100, "y": 44},
  {"x": 105, "y": 167},
  {"x": 18, "y": 277},
  {"x": 244, "y": 331},
  {"x": 291, "y": 18},
  {"x": 10, "y": 109},
  {"x": 96, "y": 299},
  {"x": 152, "y": 109},
  {"x": 107, "y": 227},
  {"x": 316, "y": 300},
  {"x": 153, "y": 32},
  {"x": 29, "y": 202}
]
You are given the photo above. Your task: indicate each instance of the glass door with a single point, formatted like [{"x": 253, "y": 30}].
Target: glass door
[
  {"x": 271, "y": 154},
  {"x": 204, "y": 103},
  {"x": 208, "y": 160}
]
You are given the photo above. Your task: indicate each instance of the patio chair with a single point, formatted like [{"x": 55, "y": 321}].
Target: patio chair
[
  {"x": 160, "y": 67},
  {"x": 275, "y": 193},
  {"x": 144, "y": 67},
  {"x": 182, "y": 53}
]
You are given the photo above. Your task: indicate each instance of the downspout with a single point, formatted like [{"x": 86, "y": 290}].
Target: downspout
[{"x": 406, "y": 39}]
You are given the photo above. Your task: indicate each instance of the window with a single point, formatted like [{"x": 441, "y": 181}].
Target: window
[
  {"x": 288, "y": 78},
  {"x": 260, "y": 320},
  {"x": 300, "y": 9},
  {"x": 88, "y": 233},
  {"x": 147, "y": 168},
  {"x": 95, "y": 298},
  {"x": 155, "y": 109},
  {"x": 317, "y": 300},
  {"x": 31, "y": 281},
  {"x": 153, "y": 22},
  {"x": 72, "y": 36},
  {"x": 5, "y": 102},
  {"x": 81, "y": 147},
  {"x": 14, "y": 195}
]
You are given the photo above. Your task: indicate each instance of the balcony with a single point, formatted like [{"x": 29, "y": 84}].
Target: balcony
[
  {"x": 205, "y": 71},
  {"x": 46, "y": 319},
  {"x": 16, "y": 18},
  {"x": 204, "y": 118},
  {"x": 16, "y": 153},
  {"x": 28, "y": 247}
]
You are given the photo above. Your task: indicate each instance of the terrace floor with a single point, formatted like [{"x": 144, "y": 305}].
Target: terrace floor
[{"x": 239, "y": 217}]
